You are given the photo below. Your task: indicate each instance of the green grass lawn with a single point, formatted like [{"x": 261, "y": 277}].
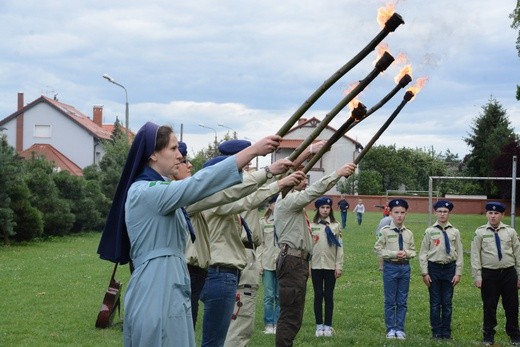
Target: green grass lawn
[{"x": 51, "y": 292}]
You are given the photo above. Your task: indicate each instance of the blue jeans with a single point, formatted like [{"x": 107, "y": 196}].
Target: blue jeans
[
  {"x": 343, "y": 219},
  {"x": 441, "y": 296},
  {"x": 396, "y": 284},
  {"x": 359, "y": 218},
  {"x": 271, "y": 299},
  {"x": 218, "y": 296}
]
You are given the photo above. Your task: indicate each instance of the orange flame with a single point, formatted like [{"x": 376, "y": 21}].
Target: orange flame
[
  {"x": 383, "y": 13},
  {"x": 406, "y": 70},
  {"x": 401, "y": 59},
  {"x": 421, "y": 81},
  {"x": 354, "y": 102},
  {"x": 380, "y": 50}
]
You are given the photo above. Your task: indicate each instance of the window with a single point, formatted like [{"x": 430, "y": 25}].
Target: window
[{"x": 42, "y": 131}]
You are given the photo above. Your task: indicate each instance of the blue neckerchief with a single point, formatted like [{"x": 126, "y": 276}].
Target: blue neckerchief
[
  {"x": 331, "y": 238},
  {"x": 446, "y": 239},
  {"x": 401, "y": 242},
  {"x": 497, "y": 241},
  {"x": 248, "y": 231},
  {"x": 150, "y": 174}
]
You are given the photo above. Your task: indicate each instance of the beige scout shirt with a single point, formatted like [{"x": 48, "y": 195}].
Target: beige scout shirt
[
  {"x": 269, "y": 249},
  {"x": 197, "y": 253},
  {"x": 484, "y": 253},
  {"x": 325, "y": 256},
  {"x": 433, "y": 248},
  {"x": 225, "y": 229},
  {"x": 387, "y": 245},
  {"x": 250, "y": 275},
  {"x": 289, "y": 215}
]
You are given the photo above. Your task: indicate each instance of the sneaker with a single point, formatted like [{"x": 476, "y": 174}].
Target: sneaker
[
  {"x": 319, "y": 330},
  {"x": 327, "y": 331},
  {"x": 269, "y": 329},
  {"x": 391, "y": 334},
  {"x": 488, "y": 341},
  {"x": 400, "y": 335}
]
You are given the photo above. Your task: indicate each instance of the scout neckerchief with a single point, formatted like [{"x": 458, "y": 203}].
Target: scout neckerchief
[
  {"x": 331, "y": 238},
  {"x": 446, "y": 239},
  {"x": 246, "y": 227},
  {"x": 400, "y": 232},
  {"x": 497, "y": 241},
  {"x": 150, "y": 174}
]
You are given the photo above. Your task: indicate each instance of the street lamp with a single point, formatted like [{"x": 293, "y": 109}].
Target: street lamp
[
  {"x": 111, "y": 80},
  {"x": 216, "y": 143},
  {"x": 234, "y": 132}
]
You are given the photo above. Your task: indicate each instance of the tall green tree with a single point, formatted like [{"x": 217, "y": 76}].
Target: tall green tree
[
  {"x": 112, "y": 163},
  {"x": 503, "y": 167},
  {"x": 57, "y": 217},
  {"x": 394, "y": 169},
  {"x": 8, "y": 172},
  {"x": 83, "y": 200},
  {"x": 490, "y": 132}
]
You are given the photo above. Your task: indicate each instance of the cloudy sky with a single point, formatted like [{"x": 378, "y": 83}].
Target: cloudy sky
[{"x": 248, "y": 65}]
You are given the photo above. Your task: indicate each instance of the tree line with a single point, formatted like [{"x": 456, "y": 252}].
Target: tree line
[{"x": 38, "y": 202}]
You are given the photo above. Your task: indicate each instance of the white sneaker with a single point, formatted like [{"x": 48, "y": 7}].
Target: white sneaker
[
  {"x": 319, "y": 330},
  {"x": 328, "y": 331},
  {"x": 391, "y": 334},
  {"x": 400, "y": 335},
  {"x": 269, "y": 329}
]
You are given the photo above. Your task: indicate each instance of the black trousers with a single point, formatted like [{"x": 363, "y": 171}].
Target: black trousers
[
  {"x": 323, "y": 282},
  {"x": 496, "y": 284},
  {"x": 292, "y": 273}
]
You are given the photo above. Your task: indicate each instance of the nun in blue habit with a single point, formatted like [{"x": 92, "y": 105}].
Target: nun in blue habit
[{"x": 146, "y": 225}]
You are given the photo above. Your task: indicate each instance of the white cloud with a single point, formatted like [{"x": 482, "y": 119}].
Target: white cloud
[{"x": 249, "y": 64}]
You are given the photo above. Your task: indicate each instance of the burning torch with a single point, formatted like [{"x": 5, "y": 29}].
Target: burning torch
[
  {"x": 390, "y": 25},
  {"x": 381, "y": 65}
]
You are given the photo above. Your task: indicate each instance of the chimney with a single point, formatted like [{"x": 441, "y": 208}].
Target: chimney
[
  {"x": 19, "y": 124},
  {"x": 301, "y": 121},
  {"x": 20, "y": 101},
  {"x": 97, "y": 115}
]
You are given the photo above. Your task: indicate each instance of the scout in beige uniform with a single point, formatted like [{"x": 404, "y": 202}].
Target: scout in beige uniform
[
  {"x": 396, "y": 246},
  {"x": 441, "y": 259},
  {"x": 197, "y": 252},
  {"x": 242, "y": 325},
  {"x": 294, "y": 236},
  {"x": 326, "y": 263},
  {"x": 228, "y": 257},
  {"x": 495, "y": 265},
  {"x": 267, "y": 253}
]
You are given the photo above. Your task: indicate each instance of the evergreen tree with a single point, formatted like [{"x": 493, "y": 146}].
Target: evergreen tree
[
  {"x": 503, "y": 167},
  {"x": 81, "y": 196},
  {"x": 490, "y": 132},
  {"x": 112, "y": 163},
  {"x": 8, "y": 173},
  {"x": 57, "y": 218}
]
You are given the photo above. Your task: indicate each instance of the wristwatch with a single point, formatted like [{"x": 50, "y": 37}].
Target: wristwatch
[{"x": 268, "y": 173}]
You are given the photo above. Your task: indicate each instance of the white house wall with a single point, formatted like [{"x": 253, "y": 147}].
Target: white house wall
[
  {"x": 66, "y": 136},
  {"x": 343, "y": 151}
]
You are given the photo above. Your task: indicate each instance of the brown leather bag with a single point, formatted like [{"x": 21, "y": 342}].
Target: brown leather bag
[{"x": 111, "y": 301}]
